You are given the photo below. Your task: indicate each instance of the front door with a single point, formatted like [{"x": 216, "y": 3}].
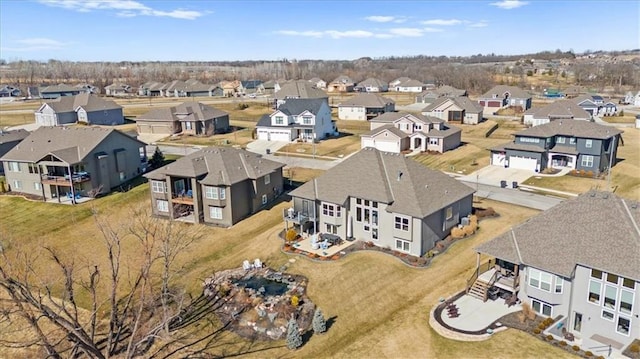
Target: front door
[{"x": 577, "y": 321}]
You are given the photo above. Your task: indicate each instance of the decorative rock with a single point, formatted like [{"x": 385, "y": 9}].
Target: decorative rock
[{"x": 272, "y": 316}]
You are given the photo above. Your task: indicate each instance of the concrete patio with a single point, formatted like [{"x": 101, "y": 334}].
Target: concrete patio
[
  {"x": 67, "y": 200},
  {"x": 305, "y": 245},
  {"x": 476, "y": 315}
]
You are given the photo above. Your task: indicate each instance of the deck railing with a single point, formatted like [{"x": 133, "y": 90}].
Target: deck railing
[{"x": 479, "y": 270}]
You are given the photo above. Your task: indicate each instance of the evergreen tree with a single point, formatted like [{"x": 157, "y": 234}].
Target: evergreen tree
[
  {"x": 319, "y": 323},
  {"x": 157, "y": 159},
  {"x": 294, "y": 339}
]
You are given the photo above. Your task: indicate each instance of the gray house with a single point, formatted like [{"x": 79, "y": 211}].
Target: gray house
[
  {"x": 403, "y": 205},
  {"x": 85, "y": 108},
  {"x": 55, "y": 91},
  {"x": 558, "y": 110},
  {"x": 216, "y": 185},
  {"x": 298, "y": 89},
  {"x": 9, "y": 140},
  {"x": 455, "y": 109},
  {"x": 579, "y": 261},
  {"x": 365, "y": 106},
  {"x": 575, "y": 144},
  {"x": 191, "y": 118},
  {"x": 64, "y": 163},
  {"x": 505, "y": 96}
]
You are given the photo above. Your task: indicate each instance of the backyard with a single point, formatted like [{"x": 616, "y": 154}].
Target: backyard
[{"x": 396, "y": 321}]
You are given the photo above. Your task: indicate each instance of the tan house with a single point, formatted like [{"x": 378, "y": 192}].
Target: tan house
[
  {"x": 365, "y": 106},
  {"x": 190, "y": 118},
  {"x": 455, "y": 109},
  {"x": 318, "y": 82},
  {"x": 341, "y": 84},
  {"x": 216, "y": 185},
  {"x": 66, "y": 163},
  {"x": 231, "y": 88},
  {"x": 9, "y": 140},
  {"x": 398, "y": 132}
]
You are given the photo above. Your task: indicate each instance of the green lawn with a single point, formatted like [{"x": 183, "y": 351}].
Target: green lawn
[{"x": 372, "y": 297}]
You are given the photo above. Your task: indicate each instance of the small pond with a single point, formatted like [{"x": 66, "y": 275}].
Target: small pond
[{"x": 264, "y": 286}]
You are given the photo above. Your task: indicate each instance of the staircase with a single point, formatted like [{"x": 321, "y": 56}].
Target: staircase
[{"x": 479, "y": 289}]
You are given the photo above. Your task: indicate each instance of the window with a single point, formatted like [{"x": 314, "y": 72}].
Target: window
[
  {"x": 629, "y": 283},
  {"x": 187, "y": 125},
  {"x": 559, "y": 283},
  {"x": 14, "y": 166},
  {"x": 626, "y": 301},
  {"x": 402, "y": 223},
  {"x": 279, "y": 120},
  {"x": 612, "y": 278},
  {"x": 610, "y": 294},
  {"x": 162, "y": 205},
  {"x": 374, "y": 233},
  {"x": 596, "y": 273},
  {"x": 541, "y": 308},
  {"x": 449, "y": 212},
  {"x": 17, "y": 184},
  {"x": 223, "y": 193},
  {"x": 215, "y": 212},
  {"x": 211, "y": 192},
  {"x": 403, "y": 245},
  {"x": 33, "y": 168},
  {"x": 306, "y": 120},
  {"x": 36, "y": 186},
  {"x": 623, "y": 325},
  {"x": 331, "y": 228},
  {"x": 607, "y": 315},
  {"x": 572, "y": 141},
  {"x": 529, "y": 139},
  {"x": 158, "y": 186},
  {"x": 587, "y": 161},
  {"x": 588, "y": 143},
  {"x": 264, "y": 199},
  {"x": 267, "y": 178},
  {"x": 560, "y": 139},
  {"x": 331, "y": 210},
  {"x": 539, "y": 279},
  {"x": 594, "y": 291}
]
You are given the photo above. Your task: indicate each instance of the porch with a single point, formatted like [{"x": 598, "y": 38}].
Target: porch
[
  {"x": 296, "y": 217},
  {"x": 561, "y": 160},
  {"x": 65, "y": 179},
  {"x": 495, "y": 279}
]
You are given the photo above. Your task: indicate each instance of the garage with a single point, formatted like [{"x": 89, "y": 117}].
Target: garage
[
  {"x": 267, "y": 135},
  {"x": 497, "y": 159},
  {"x": 524, "y": 163},
  {"x": 387, "y": 146}
]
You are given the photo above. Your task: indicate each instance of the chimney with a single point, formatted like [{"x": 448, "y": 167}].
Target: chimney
[{"x": 399, "y": 175}]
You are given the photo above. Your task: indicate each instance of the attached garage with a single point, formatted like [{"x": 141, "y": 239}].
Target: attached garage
[
  {"x": 498, "y": 159},
  {"x": 274, "y": 135},
  {"x": 524, "y": 163},
  {"x": 387, "y": 146}
]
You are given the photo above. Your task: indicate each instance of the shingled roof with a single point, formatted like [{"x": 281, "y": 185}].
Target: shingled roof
[
  {"x": 12, "y": 136},
  {"x": 70, "y": 144},
  {"x": 597, "y": 230},
  {"x": 406, "y": 186},
  {"x": 218, "y": 166},
  {"x": 89, "y": 102},
  {"x": 390, "y": 117},
  {"x": 500, "y": 90},
  {"x": 369, "y": 100},
  {"x": 463, "y": 102},
  {"x": 296, "y": 106},
  {"x": 299, "y": 89},
  {"x": 568, "y": 127},
  {"x": 560, "y": 108},
  {"x": 187, "y": 111}
]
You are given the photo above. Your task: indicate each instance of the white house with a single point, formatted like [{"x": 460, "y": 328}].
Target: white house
[
  {"x": 410, "y": 86},
  {"x": 297, "y": 119},
  {"x": 365, "y": 106}
]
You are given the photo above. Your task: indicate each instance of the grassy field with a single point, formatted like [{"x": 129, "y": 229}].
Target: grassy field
[
  {"x": 627, "y": 118},
  {"x": 379, "y": 306}
]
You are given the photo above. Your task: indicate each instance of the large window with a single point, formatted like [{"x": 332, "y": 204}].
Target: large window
[
  {"x": 626, "y": 301},
  {"x": 306, "y": 120},
  {"x": 215, "y": 212},
  {"x": 588, "y": 143},
  {"x": 215, "y": 192},
  {"x": 541, "y": 308},
  {"x": 539, "y": 279},
  {"x": 610, "y": 294},
  {"x": 267, "y": 178},
  {"x": 14, "y": 166},
  {"x": 587, "y": 161},
  {"x": 402, "y": 245},
  {"x": 279, "y": 120},
  {"x": 594, "y": 291},
  {"x": 162, "y": 205},
  {"x": 623, "y": 325},
  {"x": 530, "y": 139},
  {"x": 331, "y": 210},
  {"x": 402, "y": 223},
  {"x": 158, "y": 186}
]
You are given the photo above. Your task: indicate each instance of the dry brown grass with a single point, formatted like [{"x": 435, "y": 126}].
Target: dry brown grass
[{"x": 372, "y": 297}]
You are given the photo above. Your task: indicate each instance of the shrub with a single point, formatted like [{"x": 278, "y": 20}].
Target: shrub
[
  {"x": 295, "y": 300},
  {"x": 588, "y": 354},
  {"x": 319, "y": 323},
  {"x": 575, "y": 348},
  {"x": 469, "y": 230},
  {"x": 528, "y": 312},
  {"x": 550, "y": 337},
  {"x": 590, "y": 174},
  {"x": 562, "y": 343},
  {"x": 242, "y": 106},
  {"x": 537, "y": 331},
  {"x": 291, "y": 235},
  {"x": 457, "y": 233},
  {"x": 541, "y": 326},
  {"x": 294, "y": 339},
  {"x": 634, "y": 348}
]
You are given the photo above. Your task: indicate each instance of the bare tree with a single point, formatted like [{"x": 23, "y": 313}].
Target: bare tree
[{"x": 126, "y": 304}]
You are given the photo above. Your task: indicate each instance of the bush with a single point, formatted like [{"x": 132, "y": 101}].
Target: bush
[
  {"x": 537, "y": 331},
  {"x": 575, "y": 348},
  {"x": 242, "y": 106},
  {"x": 634, "y": 348},
  {"x": 563, "y": 343},
  {"x": 295, "y": 300},
  {"x": 469, "y": 230},
  {"x": 588, "y": 354},
  {"x": 550, "y": 337},
  {"x": 291, "y": 235},
  {"x": 457, "y": 233}
]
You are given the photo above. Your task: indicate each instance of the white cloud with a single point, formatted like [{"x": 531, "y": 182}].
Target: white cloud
[
  {"x": 328, "y": 33},
  {"x": 35, "y": 44},
  {"x": 123, "y": 8},
  {"x": 380, "y": 18},
  {"x": 509, "y": 4},
  {"x": 431, "y": 29},
  {"x": 481, "y": 23},
  {"x": 300, "y": 33},
  {"x": 442, "y": 22},
  {"x": 407, "y": 32}
]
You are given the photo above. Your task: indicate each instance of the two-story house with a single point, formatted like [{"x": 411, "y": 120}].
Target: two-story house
[
  {"x": 297, "y": 119},
  {"x": 578, "y": 261},
  {"x": 404, "y": 205},
  {"x": 341, "y": 83},
  {"x": 189, "y": 118},
  {"x": 64, "y": 163},
  {"x": 371, "y": 85},
  {"x": 596, "y": 105},
  {"x": 365, "y": 106},
  {"x": 84, "y": 108},
  {"x": 558, "y": 110},
  {"x": 400, "y": 131},
  {"x": 575, "y": 144},
  {"x": 298, "y": 89},
  {"x": 216, "y": 185},
  {"x": 455, "y": 109},
  {"x": 502, "y": 96}
]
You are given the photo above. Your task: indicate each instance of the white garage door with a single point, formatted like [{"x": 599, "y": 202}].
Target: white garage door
[
  {"x": 524, "y": 163},
  {"x": 274, "y": 135},
  {"x": 387, "y": 146},
  {"x": 497, "y": 159}
]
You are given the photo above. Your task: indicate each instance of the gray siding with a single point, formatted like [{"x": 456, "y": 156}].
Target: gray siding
[
  {"x": 540, "y": 157},
  {"x": 541, "y": 143},
  {"x": 451, "y": 142},
  {"x": 106, "y": 117}
]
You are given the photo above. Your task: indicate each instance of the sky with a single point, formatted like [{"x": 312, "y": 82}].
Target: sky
[{"x": 158, "y": 30}]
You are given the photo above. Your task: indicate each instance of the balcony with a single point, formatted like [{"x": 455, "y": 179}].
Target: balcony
[
  {"x": 298, "y": 217},
  {"x": 65, "y": 180},
  {"x": 183, "y": 198}
]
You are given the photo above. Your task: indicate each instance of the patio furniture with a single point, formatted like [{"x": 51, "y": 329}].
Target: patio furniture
[
  {"x": 453, "y": 315},
  {"x": 246, "y": 265},
  {"x": 493, "y": 293},
  {"x": 257, "y": 263}
]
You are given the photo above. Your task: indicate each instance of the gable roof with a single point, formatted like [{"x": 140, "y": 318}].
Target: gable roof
[
  {"x": 560, "y": 108},
  {"x": 192, "y": 110},
  {"x": 370, "y": 100},
  {"x": 372, "y": 82},
  {"x": 70, "y": 144},
  {"x": 296, "y": 106},
  {"x": 250, "y": 84},
  {"x": 405, "y": 185},
  {"x": 89, "y": 102},
  {"x": 602, "y": 234},
  {"x": 218, "y": 166},
  {"x": 390, "y": 117},
  {"x": 13, "y": 136},
  {"x": 299, "y": 89},
  {"x": 500, "y": 90},
  {"x": 411, "y": 83},
  {"x": 464, "y": 103},
  {"x": 568, "y": 127},
  {"x": 390, "y": 128},
  {"x": 342, "y": 79},
  {"x": 58, "y": 88},
  {"x": 446, "y": 90}
]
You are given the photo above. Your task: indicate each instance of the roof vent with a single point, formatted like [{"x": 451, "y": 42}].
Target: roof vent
[
  {"x": 592, "y": 194},
  {"x": 634, "y": 205},
  {"x": 605, "y": 195},
  {"x": 399, "y": 175}
]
